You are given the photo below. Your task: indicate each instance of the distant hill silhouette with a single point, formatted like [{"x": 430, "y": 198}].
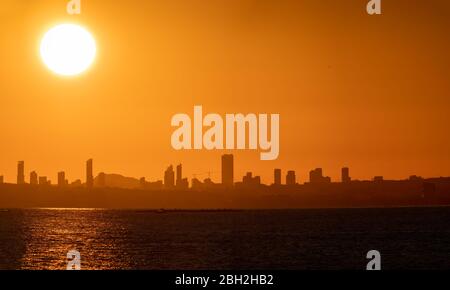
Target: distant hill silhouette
[{"x": 116, "y": 181}]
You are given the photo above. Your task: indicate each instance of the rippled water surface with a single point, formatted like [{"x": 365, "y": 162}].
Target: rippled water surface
[{"x": 408, "y": 238}]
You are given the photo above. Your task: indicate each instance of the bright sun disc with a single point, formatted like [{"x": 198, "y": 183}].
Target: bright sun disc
[{"x": 68, "y": 49}]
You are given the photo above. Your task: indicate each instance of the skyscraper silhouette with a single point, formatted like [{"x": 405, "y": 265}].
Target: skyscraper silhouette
[
  {"x": 249, "y": 180},
  {"x": 228, "y": 170},
  {"x": 21, "y": 172},
  {"x": 43, "y": 180},
  {"x": 316, "y": 176},
  {"x": 290, "y": 178},
  {"x": 179, "y": 174},
  {"x": 1, "y": 179},
  {"x": 277, "y": 177},
  {"x": 345, "y": 175},
  {"x": 89, "y": 174},
  {"x": 34, "y": 178},
  {"x": 169, "y": 177},
  {"x": 61, "y": 178}
]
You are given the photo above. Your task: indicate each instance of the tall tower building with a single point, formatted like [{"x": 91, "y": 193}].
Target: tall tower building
[
  {"x": 43, "y": 180},
  {"x": 89, "y": 174},
  {"x": 169, "y": 177},
  {"x": 315, "y": 176},
  {"x": 21, "y": 172},
  {"x": 228, "y": 170},
  {"x": 290, "y": 178},
  {"x": 277, "y": 177},
  {"x": 61, "y": 178},
  {"x": 179, "y": 174},
  {"x": 1, "y": 179},
  {"x": 345, "y": 175},
  {"x": 34, "y": 178}
]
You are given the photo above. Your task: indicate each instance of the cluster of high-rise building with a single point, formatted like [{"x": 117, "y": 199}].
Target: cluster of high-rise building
[
  {"x": 173, "y": 178},
  {"x": 316, "y": 176},
  {"x": 35, "y": 179}
]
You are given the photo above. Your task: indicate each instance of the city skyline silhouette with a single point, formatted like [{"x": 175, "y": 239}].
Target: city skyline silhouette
[
  {"x": 176, "y": 180},
  {"x": 178, "y": 191}
]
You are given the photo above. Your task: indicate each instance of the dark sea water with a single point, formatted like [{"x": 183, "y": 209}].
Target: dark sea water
[{"x": 407, "y": 238}]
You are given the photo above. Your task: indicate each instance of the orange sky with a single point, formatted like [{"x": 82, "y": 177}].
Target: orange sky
[{"x": 368, "y": 92}]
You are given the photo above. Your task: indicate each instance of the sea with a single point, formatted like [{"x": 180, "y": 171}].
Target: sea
[{"x": 304, "y": 239}]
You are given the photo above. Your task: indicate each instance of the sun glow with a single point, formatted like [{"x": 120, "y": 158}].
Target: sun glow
[{"x": 68, "y": 49}]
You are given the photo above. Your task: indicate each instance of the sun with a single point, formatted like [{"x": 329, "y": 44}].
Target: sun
[{"x": 68, "y": 49}]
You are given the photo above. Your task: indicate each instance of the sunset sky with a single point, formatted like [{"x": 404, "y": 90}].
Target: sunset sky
[{"x": 368, "y": 92}]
